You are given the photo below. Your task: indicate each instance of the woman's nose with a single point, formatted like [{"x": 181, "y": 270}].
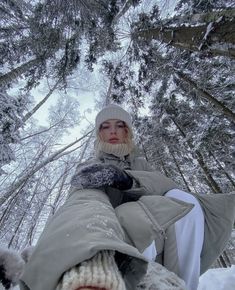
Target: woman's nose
[{"x": 113, "y": 130}]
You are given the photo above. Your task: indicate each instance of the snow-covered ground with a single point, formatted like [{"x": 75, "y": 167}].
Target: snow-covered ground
[{"x": 218, "y": 279}]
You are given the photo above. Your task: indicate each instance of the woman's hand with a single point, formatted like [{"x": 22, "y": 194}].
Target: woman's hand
[
  {"x": 11, "y": 267},
  {"x": 102, "y": 175}
]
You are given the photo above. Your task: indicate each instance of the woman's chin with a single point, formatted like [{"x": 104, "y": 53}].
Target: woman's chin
[{"x": 113, "y": 142}]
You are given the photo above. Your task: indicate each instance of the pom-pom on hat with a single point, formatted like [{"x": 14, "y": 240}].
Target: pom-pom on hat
[{"x": 113, "y": 111}]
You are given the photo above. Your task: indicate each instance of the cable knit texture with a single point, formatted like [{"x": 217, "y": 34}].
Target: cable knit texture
[
  {"x": 119, "y": 150},
  {"x": 100, "y": 272}
]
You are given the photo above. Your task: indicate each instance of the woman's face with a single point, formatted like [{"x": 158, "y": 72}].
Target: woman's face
[{"x": 113, "y": 131}]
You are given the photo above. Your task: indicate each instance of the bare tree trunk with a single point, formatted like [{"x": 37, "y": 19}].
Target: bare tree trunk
[
  {"x": 195, "y": 38},
  {"x": 85, "y": 148},
  {"x": 222, "y": 169},
  {"x": 164, "y": 168},
  {"x": 219, "y": 105},
  {"x": 224, "y": 260},
  {"x": 210, "y": 180},
  {"x": 210, "y": 16},
  {"x": 62, "y": 178},
  {"x": 16, "y": 72},
  {"x": 29, "y": 238},
  {"x": 144, "y": 149},
  {"x": 6, "y": 213},
  {"x": 10, "y": 205},
  {"x": 214, "y": 185},
  {"x": 179, "y": 170},
  {"x": 42, "y": 131},
  {"x": 128, "y": 4},
  {"x": 107, "y": 99},
  {"x": 34, "y": 110},
  {"x": 24, "y": 214},
  {"x": 194, "y": 188},
  {"x": 31, "y": 172}
]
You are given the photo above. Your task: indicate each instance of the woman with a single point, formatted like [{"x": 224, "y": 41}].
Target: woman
[{"x": 119, "y": 215}]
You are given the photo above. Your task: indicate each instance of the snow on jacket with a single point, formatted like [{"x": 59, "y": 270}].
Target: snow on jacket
[{"x": 125, "y": 221}]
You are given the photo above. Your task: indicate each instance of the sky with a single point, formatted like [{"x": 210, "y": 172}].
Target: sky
[
  {"x": 86, "y": 100},
  {"x": 88, "y": 107}
]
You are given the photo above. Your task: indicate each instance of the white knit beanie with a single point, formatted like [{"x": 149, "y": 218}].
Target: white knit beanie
[
  {"x": 100, "y": 272},
  {"x": 113, "y": 111}
]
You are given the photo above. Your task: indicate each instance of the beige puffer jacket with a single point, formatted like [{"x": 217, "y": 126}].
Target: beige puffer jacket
[{"x": 94, "y": 219}]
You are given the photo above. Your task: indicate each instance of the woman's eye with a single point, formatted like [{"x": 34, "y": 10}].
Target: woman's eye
[
  {"x": 105, "y": 127},
  {"x": 120, "y": 126}
]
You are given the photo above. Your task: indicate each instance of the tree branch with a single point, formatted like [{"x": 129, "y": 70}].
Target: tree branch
[
  {"x": 219, "y": 105},
  {"x": 29, "y": 114},
  {"x": 32, "y": 171},
  {"x": 216, "y": 38}
]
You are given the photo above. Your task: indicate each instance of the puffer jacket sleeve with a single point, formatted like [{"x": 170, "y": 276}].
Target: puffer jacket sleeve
[
  {"x": 148, "y": 181},
  {"x": 219, "y": 212}
]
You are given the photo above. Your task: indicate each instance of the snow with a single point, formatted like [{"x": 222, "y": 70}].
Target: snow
[
  {"x": 208, "y": 30},
  {"x": 159, "y": 278},
  {"x": 218, "y": 279}
]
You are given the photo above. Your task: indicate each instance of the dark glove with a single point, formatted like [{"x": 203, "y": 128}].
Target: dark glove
[
  {"x": 11, "y": 267},
  {"x": 99, "y": 175},
  {"x": 6, "y": 283}
]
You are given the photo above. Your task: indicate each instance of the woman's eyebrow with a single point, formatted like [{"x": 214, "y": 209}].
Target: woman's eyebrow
[
  {"x": 119, "y": 123},
  {"x": 108, "y": 123}
]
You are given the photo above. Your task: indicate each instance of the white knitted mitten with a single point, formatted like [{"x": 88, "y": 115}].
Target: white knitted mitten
[{"x": 100, "y": 271}]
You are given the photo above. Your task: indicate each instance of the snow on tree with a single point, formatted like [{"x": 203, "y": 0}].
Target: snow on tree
[{"x": 11, "y": 114}]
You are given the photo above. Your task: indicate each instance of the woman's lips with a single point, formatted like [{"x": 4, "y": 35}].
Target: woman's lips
[{"x": 113, "y": 140}]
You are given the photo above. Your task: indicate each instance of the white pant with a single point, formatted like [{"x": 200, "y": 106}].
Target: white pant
[
  {"x": 150, "y": 252},
  {"x": 189, "y": 237}
]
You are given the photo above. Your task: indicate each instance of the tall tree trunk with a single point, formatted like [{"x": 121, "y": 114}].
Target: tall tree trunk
[
  {"x": 24, "y": 214},
  {"x": 218, "y": 105},
  {"x": 144, "y": 149},
  {"x": 29, "y": 237},
  {"x": 224, "y": 260},
  {"x": 62, "y": 178},
  {"x": 194, "y": 187},
  {"x": 11, "y": 203},
  {"x": 214, "y": 185},
  {"x": 164, "y": 168},
  {"x": 127, "y": 5},
  {"x": 85, "y": 148},
  {"x": 34, "y": 110},
  {"x": 179, "y": 170},
  {"x": 17, "y": 72},
  {"x": 222, "y": 169},
  {"x": 30, "y": 173},
  {"x": 210, "y": 180},
  {"x": 195, "y": 38},
  {"x": 6, "y": 212},
  {"x": 207, "y": 17}
]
